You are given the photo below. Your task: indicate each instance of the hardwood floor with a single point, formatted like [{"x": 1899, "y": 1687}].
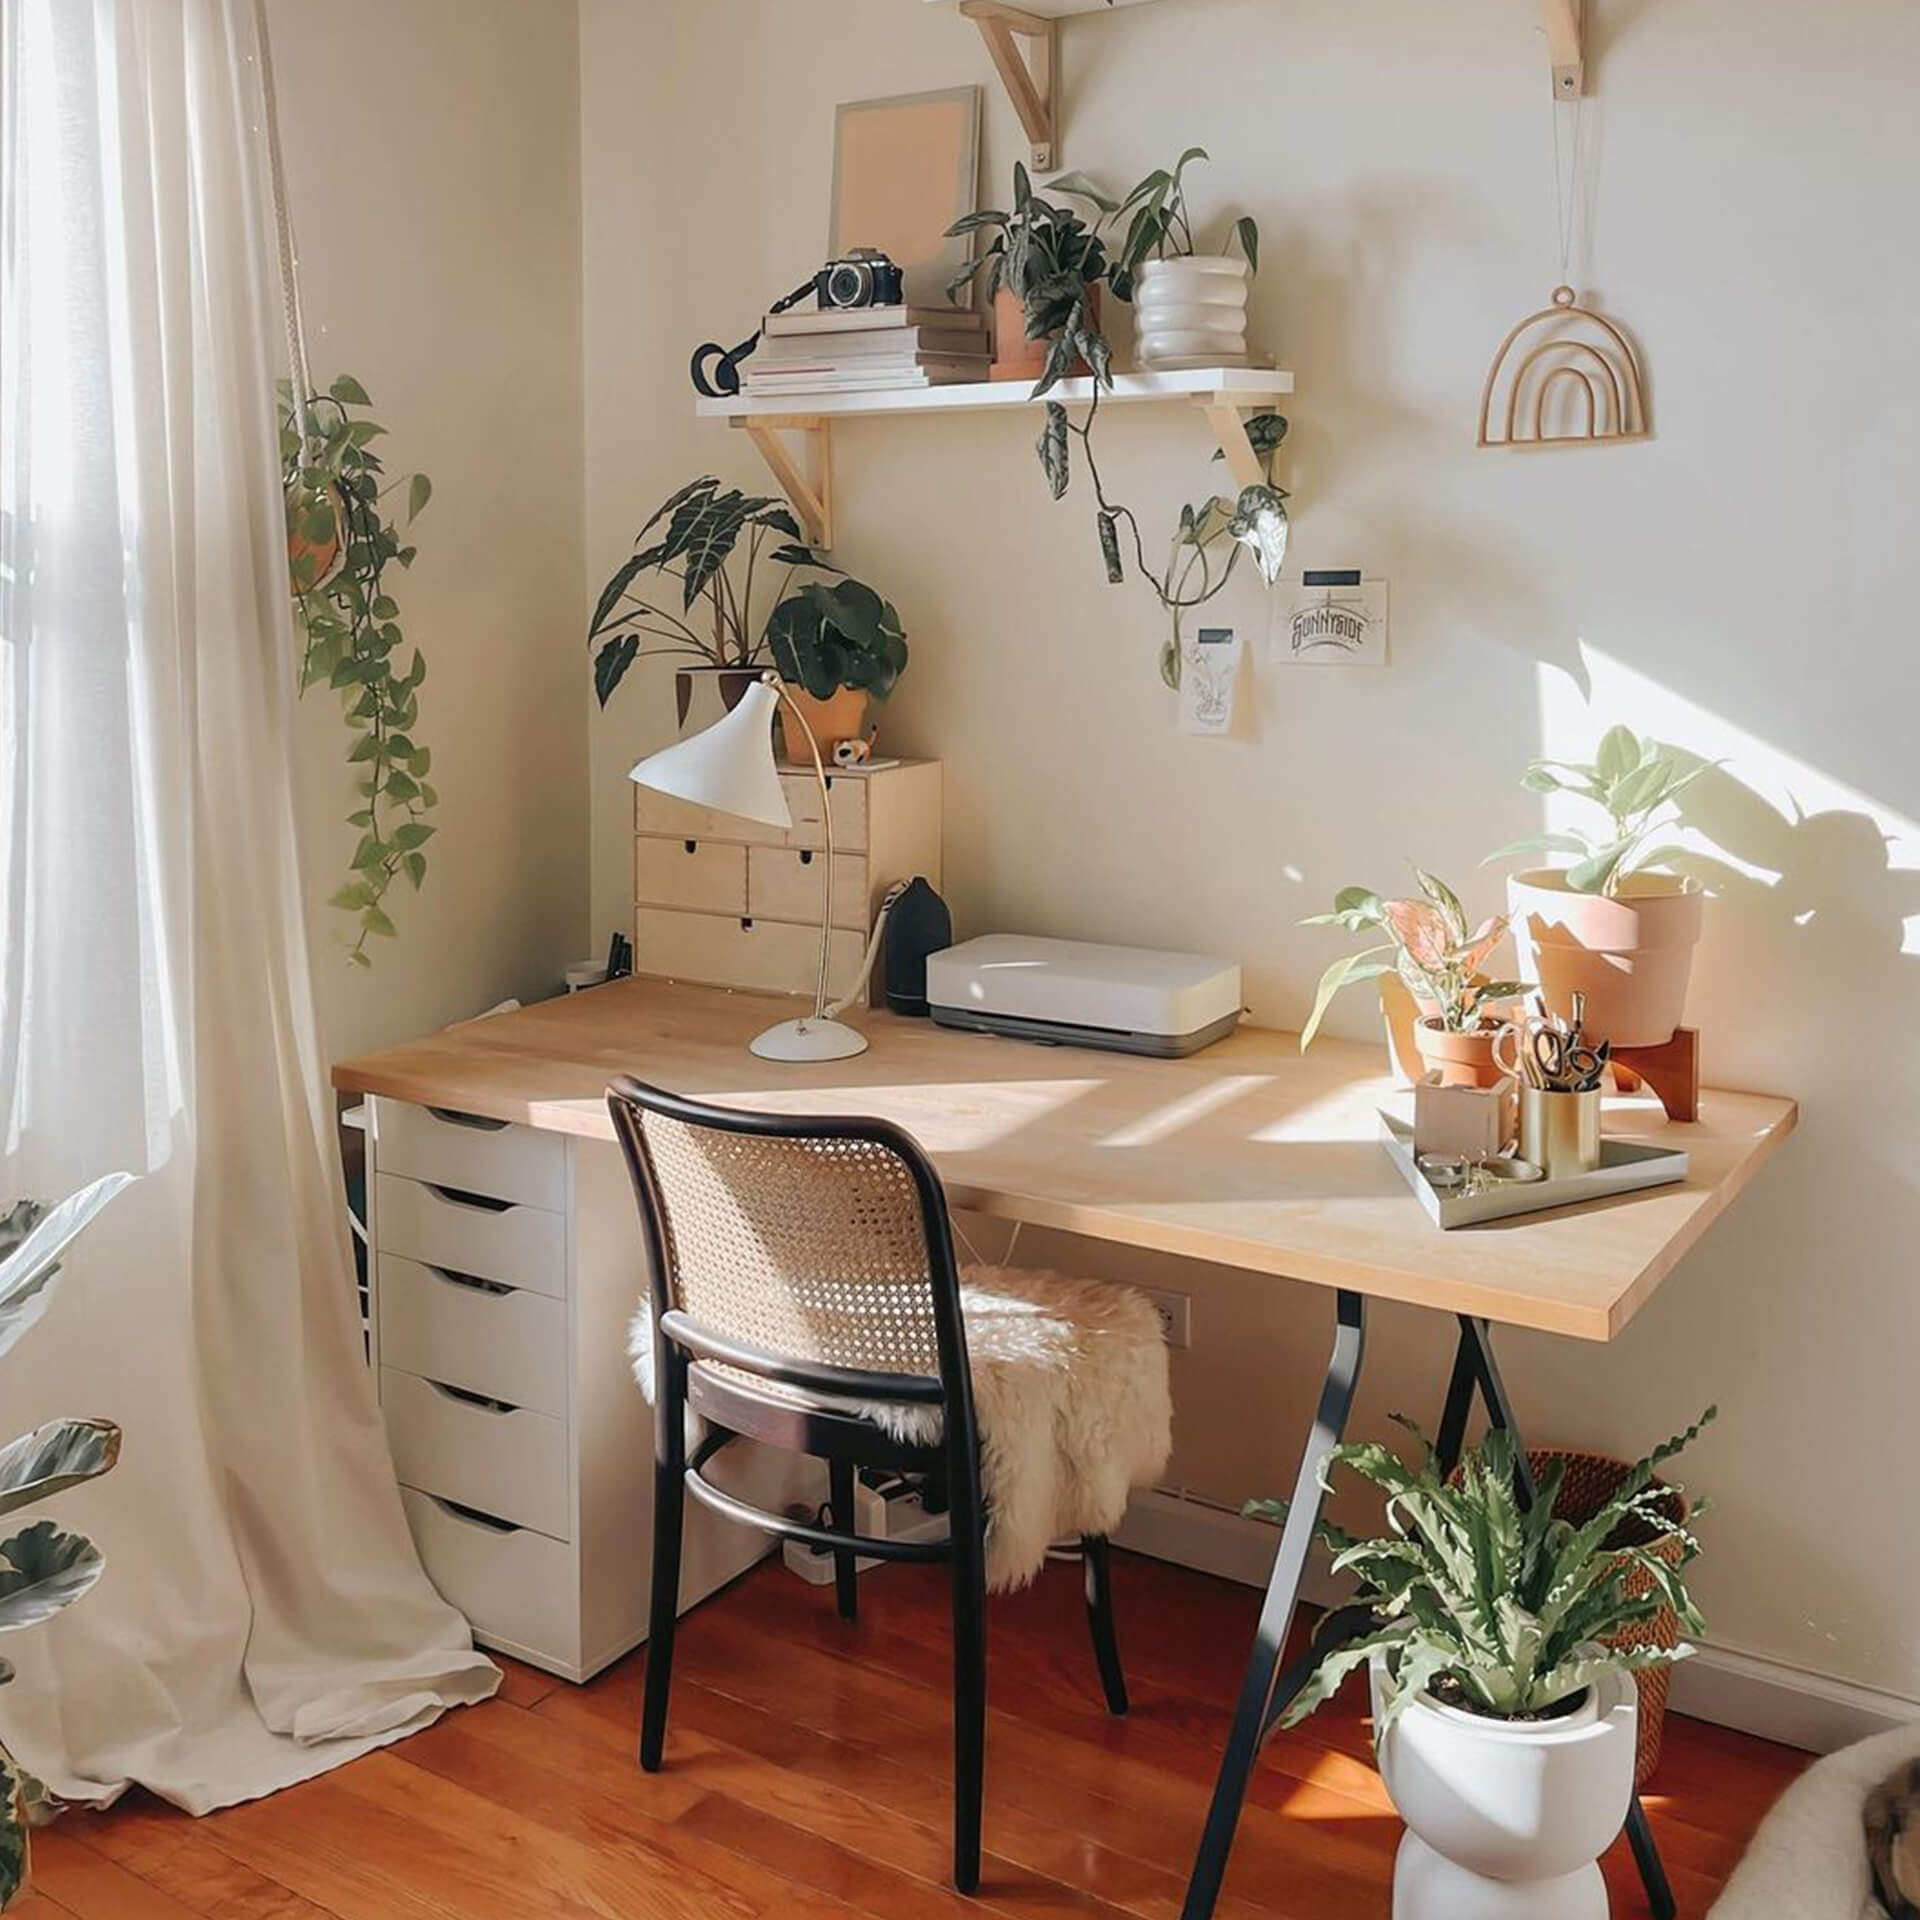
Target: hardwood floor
[{"x": 807, "y": 1779}]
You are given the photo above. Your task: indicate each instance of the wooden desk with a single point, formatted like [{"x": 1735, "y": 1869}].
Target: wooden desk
[{"x": 1249, "y": 1154}]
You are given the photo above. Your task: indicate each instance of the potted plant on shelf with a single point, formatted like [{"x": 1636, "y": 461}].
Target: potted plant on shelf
[
  {"x": 1190, "y": 306},
  {"x": 1043, "y": 267},
  {"x": 1611, "y": 924},
  {"x": 838, "y": 647},
  {"x": 1504, "y": 1723},
  {"x": 341, "y": 540},
  {"x": 693, "y": 585},
  {"x": 1438, "y": 957}
]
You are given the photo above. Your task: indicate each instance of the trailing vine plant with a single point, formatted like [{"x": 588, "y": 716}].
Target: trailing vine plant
[
  {"x": 341, "y": 539},
  {"x": 1210, "y": 538}
]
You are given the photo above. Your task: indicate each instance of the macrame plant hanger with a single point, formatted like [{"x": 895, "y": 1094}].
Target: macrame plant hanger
[
  {"x": 300, "y": 374},
  {"x": 1565, "y": 376}
]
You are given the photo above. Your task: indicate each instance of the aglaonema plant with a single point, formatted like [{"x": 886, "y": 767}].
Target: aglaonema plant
[
  {"x": 43, "y": 1567},
  {"x": 342, "y": 538}
]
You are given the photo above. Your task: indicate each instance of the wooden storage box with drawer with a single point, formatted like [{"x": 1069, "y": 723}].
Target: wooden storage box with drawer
[
  {"x": 506, "y": 1265},
  {"x": 731, "y": 903}
]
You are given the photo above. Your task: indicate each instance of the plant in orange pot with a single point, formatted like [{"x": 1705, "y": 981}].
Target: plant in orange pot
[
  {"x": 1440, "y": 957},
  {"x": 1612, "y": 924}
]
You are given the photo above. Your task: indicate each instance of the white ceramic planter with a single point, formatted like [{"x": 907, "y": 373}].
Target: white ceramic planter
[
  {"x": 1631, "y": 956},
  {"x": 1191, "y": 312},
  {"x": 1507, "y": 1821}
]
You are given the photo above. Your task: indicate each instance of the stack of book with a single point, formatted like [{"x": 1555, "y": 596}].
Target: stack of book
[{"x": 868, "y": 350}]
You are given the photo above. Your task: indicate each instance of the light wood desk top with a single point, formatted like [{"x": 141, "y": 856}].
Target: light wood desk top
[{"x": 1249, "y": 1153}]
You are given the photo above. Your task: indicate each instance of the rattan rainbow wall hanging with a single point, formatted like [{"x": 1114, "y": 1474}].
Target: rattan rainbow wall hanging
[{"x": 1565, "y": 376}]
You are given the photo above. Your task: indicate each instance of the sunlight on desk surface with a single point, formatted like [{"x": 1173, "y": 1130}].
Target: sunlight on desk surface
[{"x": 1248, "y": 1153}]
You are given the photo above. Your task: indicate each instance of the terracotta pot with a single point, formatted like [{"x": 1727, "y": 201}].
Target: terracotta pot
[
  {"x": 1631, "y": 955},
  {"x": 320, "y": 557},
  {"x": 731, "y": 682},
  {"x": 1015, "y": 357},
  {"x": 842, "y": 717},
  {"x": 1460, "y": 1059}
]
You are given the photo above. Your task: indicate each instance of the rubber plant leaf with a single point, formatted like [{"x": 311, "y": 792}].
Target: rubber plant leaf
[
  {"x": 32, "y": 1239},
  {"x": 53, "y": 1457},
  {"x": 42, "y": 1570}
]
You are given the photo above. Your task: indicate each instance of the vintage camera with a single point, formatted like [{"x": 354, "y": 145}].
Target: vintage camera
[{"x": 865, "y": 278}]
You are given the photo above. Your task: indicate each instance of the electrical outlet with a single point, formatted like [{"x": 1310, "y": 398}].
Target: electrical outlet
[{"x": 1176, "y": 1315}]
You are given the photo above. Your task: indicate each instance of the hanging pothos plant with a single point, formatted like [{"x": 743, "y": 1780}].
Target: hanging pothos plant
[
  {"x": 1210, "y": 538},
  {"x": 341, "y": 539}
]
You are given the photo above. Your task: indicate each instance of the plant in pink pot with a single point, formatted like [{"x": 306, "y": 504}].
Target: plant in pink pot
[
  {"x": 1440, "y": 958},
  {"x": 1613, "y": 924}
]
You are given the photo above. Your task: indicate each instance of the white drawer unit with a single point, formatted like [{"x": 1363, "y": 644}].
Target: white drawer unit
[
  {"x": 507, "y": 1343},
  {"x": 506, "y": 1265},
  {"x": 477, "y": 1234},
  {"x": 730, "y": 903},
  {"x": 470, "y": 1154},
  {"x": 502, "y": 1460}
]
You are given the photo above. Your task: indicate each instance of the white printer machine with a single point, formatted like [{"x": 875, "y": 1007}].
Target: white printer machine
[{"x": 1073, "y": 993}]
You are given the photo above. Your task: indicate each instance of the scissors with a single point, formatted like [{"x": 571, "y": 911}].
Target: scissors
[{"x": 1553, "y": 1058}]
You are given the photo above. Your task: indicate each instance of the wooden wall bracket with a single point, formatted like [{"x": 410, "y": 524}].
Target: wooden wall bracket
[
  {"x": 1032, "y": 80},
  {"x": 809, "y": 491},
  {"x": 1562, "y": 21},
  {"x": 1227, "y": 416}
]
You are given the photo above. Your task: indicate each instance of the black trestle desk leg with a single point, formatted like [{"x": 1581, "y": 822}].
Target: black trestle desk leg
[
  {"x": 1254, "y": 1712},
  {"x": 1477, "y": 1340}
]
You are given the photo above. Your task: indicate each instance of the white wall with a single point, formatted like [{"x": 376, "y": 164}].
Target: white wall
[
  {"x": 434, "y": 178},
  {"x": 1746, "y": 582}
]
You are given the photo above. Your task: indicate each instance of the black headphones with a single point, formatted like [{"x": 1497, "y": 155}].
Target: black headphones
[{"x": 716, "y": 371}]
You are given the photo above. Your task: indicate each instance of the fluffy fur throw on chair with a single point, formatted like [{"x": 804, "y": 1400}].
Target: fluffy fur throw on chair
[{"x": 1070, "y": 1391}]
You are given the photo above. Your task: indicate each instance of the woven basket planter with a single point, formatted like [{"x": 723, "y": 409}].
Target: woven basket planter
[{"x": 1591, "y": 1481}]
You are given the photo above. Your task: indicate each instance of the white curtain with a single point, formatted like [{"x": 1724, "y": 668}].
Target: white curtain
[{"x": 263, "y": 1615}]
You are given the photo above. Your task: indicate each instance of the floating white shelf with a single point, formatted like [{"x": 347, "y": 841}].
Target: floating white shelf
[{"x": 1226, "y": 395}]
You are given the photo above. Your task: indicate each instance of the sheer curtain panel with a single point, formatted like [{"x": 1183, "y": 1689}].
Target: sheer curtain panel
[{"x": 263, "y": 1615}]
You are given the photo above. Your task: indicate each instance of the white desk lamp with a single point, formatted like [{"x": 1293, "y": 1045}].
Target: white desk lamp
[{"x": 730, "y": 768}]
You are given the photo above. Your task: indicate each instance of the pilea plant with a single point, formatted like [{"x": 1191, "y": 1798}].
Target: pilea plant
[
  {"x": 42, "y": 1567},
  {"x": 341, "y": 540}
]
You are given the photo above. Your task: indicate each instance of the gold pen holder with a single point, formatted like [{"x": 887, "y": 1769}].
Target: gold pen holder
[{"x": 1560, "y": 1131}]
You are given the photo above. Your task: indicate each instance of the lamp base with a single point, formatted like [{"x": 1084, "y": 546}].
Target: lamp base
[{"x": 802, "y": 1040}]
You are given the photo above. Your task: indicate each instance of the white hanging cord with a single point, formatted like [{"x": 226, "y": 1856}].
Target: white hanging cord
[
  {"x": 1566, "y": 184},
  {"x": 300, "y": 373}
]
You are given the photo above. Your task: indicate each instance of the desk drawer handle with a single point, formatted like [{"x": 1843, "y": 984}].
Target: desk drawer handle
[
  {"x": 460, "y": 1197},
  {"x": 472, "y": 1516},
  {"x": 484, "y": 1403},
  {"x": 479, "y": 1121},
  {"x": 470, "y": 1282}
]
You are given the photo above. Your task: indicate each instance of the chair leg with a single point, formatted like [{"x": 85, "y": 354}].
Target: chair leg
[
  {"x": 845, "y": 1573},
  {"x": 669, "y": 1509},
  {"x": 1098, "y": 1564},
  {"x": 969, "y": 1689}
]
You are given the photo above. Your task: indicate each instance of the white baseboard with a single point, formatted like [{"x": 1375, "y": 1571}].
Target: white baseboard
[{"x": 1766, "y": 1698}]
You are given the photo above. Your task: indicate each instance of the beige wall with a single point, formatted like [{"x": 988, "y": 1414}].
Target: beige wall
[
  {"x": 1746, "y": 582},
  {"x": 433, "y": 162}
]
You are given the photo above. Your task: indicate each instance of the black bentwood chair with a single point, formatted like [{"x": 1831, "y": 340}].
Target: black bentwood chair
[{"x": 804, "y": 1294}]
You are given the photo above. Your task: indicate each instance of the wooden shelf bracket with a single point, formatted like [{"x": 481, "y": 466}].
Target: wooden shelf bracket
[
  {"x": 1032, "y": 81},
  {"x": 1561, "y": 19},
  {"x": 1227, "y": 416},
  {"x": 809, "y": 488}
]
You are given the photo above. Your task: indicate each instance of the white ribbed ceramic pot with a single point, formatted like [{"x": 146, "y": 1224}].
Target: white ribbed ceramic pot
[
  {"x": 1506, "y": 1820},
  {"x": 1190, "y": 309}
]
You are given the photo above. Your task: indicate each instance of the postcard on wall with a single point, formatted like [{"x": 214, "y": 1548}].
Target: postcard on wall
[
  {"x": 1332, "y": 619},
  {"x": 1209, "y": 673}
]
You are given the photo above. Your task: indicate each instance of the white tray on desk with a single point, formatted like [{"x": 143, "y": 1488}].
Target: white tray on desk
[{"x": 1625, "y": 1167}]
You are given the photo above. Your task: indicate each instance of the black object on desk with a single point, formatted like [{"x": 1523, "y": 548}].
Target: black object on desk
[{"x": 918, "y": 925}]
